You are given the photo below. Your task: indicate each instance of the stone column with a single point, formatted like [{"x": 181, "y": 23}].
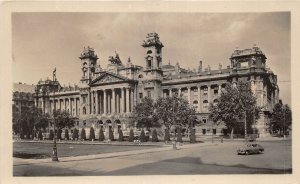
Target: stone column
[
  {"x": 127, "y": 99},
  {"x": 170, "y": 92},
  {"x": 104, "y": 103},
  {"x": 179, "y": 92},
  {"x": 113, "y": 102},
  {"x": 70, "y": 111},
  {"x": 43, "y": 106},
  {"x": 97, "y": 102},
  {"x": 122, "y": 101},
  {"x": 199, "y": 99},
  {"x": 71, "y": 107},
  {"x": 219, "y": 90},
  {"x": 209, "y": 93},
  {"x": 76, "y": 106},
  {"x": 117, "y": 103},
  {"x": 131, "y": 100}
]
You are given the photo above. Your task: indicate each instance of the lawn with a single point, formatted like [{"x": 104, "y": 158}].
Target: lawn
[{"x": 44, "y": 150}]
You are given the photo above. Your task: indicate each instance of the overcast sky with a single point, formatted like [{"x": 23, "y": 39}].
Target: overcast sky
[{"x": 43, "y": 41}]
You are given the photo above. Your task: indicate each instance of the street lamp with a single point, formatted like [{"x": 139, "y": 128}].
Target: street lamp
[{"x": 54, "y": 153}]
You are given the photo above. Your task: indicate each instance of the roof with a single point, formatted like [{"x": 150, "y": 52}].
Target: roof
[{"x": 26, "y": 88}]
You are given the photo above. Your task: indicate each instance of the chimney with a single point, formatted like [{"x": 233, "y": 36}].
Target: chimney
[{"x": 200, "y": 66}]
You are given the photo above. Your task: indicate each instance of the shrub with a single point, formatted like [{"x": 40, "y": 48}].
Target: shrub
[
  {"x": 59, "y": 134},
  {"x": 101, "y": 134},
  {"x": 75, "y": 134},
  {"x": 154, "y": 136},
  {"x": 131, "y": 136},
  {"x": 51, "y": 135},
  {"x": 21, "y": 135},
  {"x": 167, "y": 135},
  {"x": 142, "y": 136},
  {"x": 111, "y": 134},
  {"x": 28, "y": 135},
  {"x": 33, "y": 134},
  {"x": 179, "y": 135},
  {"x": 82, "y": 135},
  {"x": 40, "y": 135},
  {"x": 92, "y": 134},
  {"x": 120, "y": 135},
  {"x": 67, "y": 134},
  {"x": 192, "y": 136}
]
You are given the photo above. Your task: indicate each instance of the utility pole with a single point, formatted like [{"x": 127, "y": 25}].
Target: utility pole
[{"x": 54, "y": 154}]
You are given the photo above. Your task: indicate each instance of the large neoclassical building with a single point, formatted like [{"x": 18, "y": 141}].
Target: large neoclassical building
[{"x": 107, "y": 96}]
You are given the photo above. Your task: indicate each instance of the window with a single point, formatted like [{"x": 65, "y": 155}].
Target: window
[
  {"x": 205, "y": 90},
  {"x": 84, "y": 111},
  {"x": 205, "y": 105},
  {"x": 149, "y": 94},
  {"x": 214, "y": 131},
  {"x": 195, "y": 104},
  {"x": 84, "y": 99},
  {"x": 216, "y": 101},
  {"x": 203, "y": 131},
  {"x": 204, "y": 119},
  {"x": 216, "y": 91},
  {"x": 141, "y": 95}
]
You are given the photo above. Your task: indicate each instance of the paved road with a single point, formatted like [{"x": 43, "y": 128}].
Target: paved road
[{"x": 196, "y": 159}]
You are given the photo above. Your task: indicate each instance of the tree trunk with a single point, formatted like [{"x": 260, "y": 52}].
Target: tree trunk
[{"x": 231, "y": 134}]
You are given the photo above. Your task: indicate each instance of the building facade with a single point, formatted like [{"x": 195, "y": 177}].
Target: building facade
[{"x": 106, "y": 97}]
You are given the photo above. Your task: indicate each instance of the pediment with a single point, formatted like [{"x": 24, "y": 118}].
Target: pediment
[{"x": 107, "y": 78}]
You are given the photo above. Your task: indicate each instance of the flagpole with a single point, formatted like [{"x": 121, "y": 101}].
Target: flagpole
[{"x": 54, "y": 154}]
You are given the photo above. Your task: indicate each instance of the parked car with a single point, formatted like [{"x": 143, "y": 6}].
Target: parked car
[{"x": 250, "y": 148}]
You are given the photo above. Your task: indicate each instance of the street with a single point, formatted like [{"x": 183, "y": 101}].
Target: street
[{"x": 205, "y": 158}]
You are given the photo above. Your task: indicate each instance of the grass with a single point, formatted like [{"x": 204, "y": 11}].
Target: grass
[{"x": 44, "y": 150}]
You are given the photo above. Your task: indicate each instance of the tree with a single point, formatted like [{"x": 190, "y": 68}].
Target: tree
[
  {"x": 82, "y": 134},
  {"x": 120, "y": 135},
  {"x": 281, "y": 118},
  {"x": 92, "y": 134},
  {"x": 40, "y": 135},
  {"x": 174, "y": 111},
  {"x": 63, "y": 119},
  {"x": 179, "y": 135},
  {"x": 144, "y": 114},
  {"x": 167, "y": 135},
  {"x": 67, "y": 134},
  {"x": 131, "y": 136},
  {"x": 51, "y": 135},
  {"x": 111, "y": 134},
  {"x": 59, "y": 131},
  {"x": 154, "y": 136},
  {"x": 193, "y": 135},
  {"x": 101, "y": 134},
  {"x": 232, "y": 105},
  {"x": 75, "y": 134},
  {"x": 142, "y": 136}
]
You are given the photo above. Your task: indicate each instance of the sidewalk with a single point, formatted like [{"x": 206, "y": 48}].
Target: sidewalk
[{"x": 19, "y": 161}]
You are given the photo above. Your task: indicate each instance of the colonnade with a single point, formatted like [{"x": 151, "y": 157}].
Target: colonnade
[
  {"x": 68, "y": 104},
  {"x": 111, "y": 101}
]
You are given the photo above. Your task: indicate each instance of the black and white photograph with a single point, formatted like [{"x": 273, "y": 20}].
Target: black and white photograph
[{"x": 151, "y": 94}]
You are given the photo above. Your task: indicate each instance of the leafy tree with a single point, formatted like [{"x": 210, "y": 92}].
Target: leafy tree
[
  {"x": 154, "y": 136},
  {"x": 144, "y": 114},
  {"x": 193, "y": 135},
  {"x": 82, "y": 135},
  {"x": 120, "y": 135},
  {"x": 63, "y": 119},
  {"x": 142, "y": 136},
  {"x": 101, "y": 134},
  {"x": 67, "y": 134},
  {"x": 232, "y": 105},
  {"x": 40, "y": 135},
  {"x": 131, "y": 136},
  {"x": 58, "y": 135},
  {"x": 92, "y": 134},
  {"x": 111, "y": 134},
  {"x": 179, "y": 135},
  {"x": 174, "y": 111},
  {"x": 281, "y": 118},
  {"x": 167, "y": 135},
  {"x": 51, "y": 135}
]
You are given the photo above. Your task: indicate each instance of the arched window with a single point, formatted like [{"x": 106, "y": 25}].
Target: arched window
[
  {"x": 195, "y": 104},
  {"x": 205, "y": 105},
  {"x": 140, "y": 76},
  {"x": 84, "y": 111},
  {"x": 149, "y": 52},
  {"x": 216, "y": 101}
]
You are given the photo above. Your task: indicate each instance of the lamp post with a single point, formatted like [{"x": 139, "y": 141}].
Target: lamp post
[{"x": 54, "y": 153}]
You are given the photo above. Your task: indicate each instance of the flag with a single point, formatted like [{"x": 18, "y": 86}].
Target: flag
[{"x": 54, "y": 74}]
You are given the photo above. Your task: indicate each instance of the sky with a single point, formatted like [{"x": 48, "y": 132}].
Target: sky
[{"x": 43, "y": 41}]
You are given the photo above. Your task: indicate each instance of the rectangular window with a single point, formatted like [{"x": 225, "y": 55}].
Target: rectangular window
[
  {"x": 214, "y": 131},
  {"x": 203, "y": 131},
  {"x": 215, "y": 91},
  {"x": 204, "y": 119},
  {"x": 149, "y": 94},
  {"x": 141, "y": 95},
  {"x": 205, "y": 90},
  {"x": 84, "y": 99}
]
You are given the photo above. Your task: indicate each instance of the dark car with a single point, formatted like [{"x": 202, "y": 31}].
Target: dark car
[{"x": 250, "y": 148}]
